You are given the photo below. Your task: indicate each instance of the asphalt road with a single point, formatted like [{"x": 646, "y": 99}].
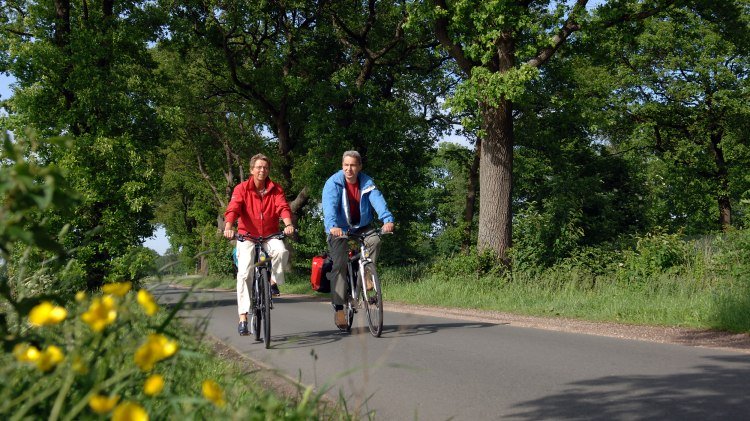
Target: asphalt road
[{"x": 434, "y": 368}]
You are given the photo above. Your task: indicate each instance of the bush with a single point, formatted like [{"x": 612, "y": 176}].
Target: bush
[
  {"x": 540, "y": 239},
  {"x": 138, "y": 263}
]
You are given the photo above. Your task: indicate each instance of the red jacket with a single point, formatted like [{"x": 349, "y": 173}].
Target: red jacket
[{"x": 258, "y": 216}]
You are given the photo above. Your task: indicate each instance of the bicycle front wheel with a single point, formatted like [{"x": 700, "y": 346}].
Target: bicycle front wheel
[
  {"x": 257, "y": 306},
  {"x": 265, "y": 288},
  {"x": 373, "y": 299}
]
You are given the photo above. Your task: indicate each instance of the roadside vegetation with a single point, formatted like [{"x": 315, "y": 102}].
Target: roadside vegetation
[{"x": 660, "y": 279}]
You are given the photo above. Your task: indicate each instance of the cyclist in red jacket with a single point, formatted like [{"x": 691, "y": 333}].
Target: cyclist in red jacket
[{"x": 257, "y": 205}]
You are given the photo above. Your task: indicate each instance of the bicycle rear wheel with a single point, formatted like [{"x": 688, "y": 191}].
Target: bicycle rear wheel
[
  {"x": 265, "y": 289},
  {"x": 373, "y": 300}
]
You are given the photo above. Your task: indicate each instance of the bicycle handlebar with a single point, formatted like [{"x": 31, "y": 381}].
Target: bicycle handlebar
[
  {"x": 259, "y": 239},
  {"x": 365, "y": 234}
]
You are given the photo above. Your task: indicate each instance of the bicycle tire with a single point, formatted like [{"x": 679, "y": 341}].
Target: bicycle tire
[
  {"x": 373, "y": 300},
  {"x": 256, "y": 310},
  {"x": 266, "y": 306},
  {"x": 349, "y": 307}
]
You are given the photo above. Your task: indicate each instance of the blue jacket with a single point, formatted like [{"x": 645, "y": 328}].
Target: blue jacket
[{"x": 336, "y": 205}]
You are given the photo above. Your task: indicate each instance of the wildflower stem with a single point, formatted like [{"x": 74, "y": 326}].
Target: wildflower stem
[
  {"x": 61, "y": 396},
  {"x": 75, "y": 410},
  {"x": 32, "y": 400}
]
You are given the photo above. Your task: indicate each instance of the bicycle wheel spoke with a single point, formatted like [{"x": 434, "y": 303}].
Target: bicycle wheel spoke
[{"x": 373, "y": 301}]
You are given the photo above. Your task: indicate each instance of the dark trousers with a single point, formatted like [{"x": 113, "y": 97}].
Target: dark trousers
[{"x": 338, "y": 249}]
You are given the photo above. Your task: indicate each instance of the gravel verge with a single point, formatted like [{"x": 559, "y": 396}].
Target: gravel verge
[{"x": 737, "y": 342}]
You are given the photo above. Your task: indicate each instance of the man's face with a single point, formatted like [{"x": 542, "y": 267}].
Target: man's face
[
  {"x": 260, "y": 170},
  {"x": 351, "y": 168}
]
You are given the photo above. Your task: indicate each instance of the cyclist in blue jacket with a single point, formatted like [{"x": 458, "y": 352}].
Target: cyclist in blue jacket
[{"x": 349, "y": 198}]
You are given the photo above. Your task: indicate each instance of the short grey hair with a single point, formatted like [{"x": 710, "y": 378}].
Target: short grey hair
[
  {"x": 352, "y": 154},
  {"x": 259, "y": 157}
]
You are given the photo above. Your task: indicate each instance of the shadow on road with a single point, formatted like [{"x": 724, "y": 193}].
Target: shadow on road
[
  {"x": 708, "y": 392},
  {"x": 396, "y": 331},
  {"x": 316, "y": 338}
]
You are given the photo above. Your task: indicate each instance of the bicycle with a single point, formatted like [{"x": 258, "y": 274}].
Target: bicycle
[
  {"x": 261, "y": 303},
  {"x": 360, "y": 269}
]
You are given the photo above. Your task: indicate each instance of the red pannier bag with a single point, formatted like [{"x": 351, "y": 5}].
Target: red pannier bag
[{"x": 319, "y": 281}]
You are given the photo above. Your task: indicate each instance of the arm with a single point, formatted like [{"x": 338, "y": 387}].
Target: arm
[
  {"x": 381, "y": 208},
  {"x": 331, "y": 202},
  {"x": 233, "y": 211},
  {"x": 282, "y": 207}
]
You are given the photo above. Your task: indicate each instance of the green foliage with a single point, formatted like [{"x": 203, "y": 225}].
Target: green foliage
[
  {"x": 491, "y": 87},
  {"x": 29, "y": 192},
  {"x": 447, "y": 198},
  {"x": 138, "y": 263},
  {"x": 470, "y": 265},
  {"x": 218, "y": 252},
  {"x": 541, "y": 239},
  {"x": 678, "y": 109},
  {"x": 88, "y": 75},
  {"x": 312, "y": 238}
]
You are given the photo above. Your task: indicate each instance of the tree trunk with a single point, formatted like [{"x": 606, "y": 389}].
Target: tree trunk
[
  {"x": 722, "y": 175},
  {"x": 62, "y": 42},
  {"x": 496, "y": 179}
]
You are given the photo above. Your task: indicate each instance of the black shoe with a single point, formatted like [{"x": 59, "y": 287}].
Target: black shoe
[
  {"x": 275, "y": 290},
  {"x": 242, "y": 329}
]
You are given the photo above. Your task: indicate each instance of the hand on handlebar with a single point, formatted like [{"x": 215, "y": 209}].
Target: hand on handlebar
[
  {"x": 388, "y": 227},
  {"x": 337, "y": 232},
  {"x": 229, "y": 234}
]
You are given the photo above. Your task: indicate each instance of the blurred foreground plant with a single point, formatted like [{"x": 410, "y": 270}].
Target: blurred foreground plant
[{"x": 76, "y": 355}]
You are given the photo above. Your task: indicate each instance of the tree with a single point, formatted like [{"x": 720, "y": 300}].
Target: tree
[
  {"x": 687, "y": 103},
  {"x": 85, "y": 71},
  {"x": 499, "y": 47},
  {"x": 571, "y": 189},
  {"x": 321, "y": 78}
]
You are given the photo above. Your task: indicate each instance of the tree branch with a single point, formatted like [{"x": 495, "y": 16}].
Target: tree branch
[
  {"x": 570, "y": 26},
  {"x": 455, "y": 50},
  {"x": 204, "y": 174},
  {"x": 643, "y": 14}
]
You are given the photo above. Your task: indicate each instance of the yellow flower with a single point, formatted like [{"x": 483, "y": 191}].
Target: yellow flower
[
  {"x": 129, "y": 411},
  {"x": 47, "y": 313},
  {"x": 146, "y": 300},
  {"x": 80, "y": 296},
  {"x": 101, "y": 313},
  {"x": 102, "y": 404},
  {"x": 118, "y": 288},
  {"x": 153, "y": 385},
  {"x": 26, "y": 353},
  {"x": 213, "y": 392},
  {"x": 49, "y": 358},
  {"x": 156, "y": 348}
]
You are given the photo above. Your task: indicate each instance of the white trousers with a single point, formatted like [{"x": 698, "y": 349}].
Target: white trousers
[{"x": 245, "y": 268}]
